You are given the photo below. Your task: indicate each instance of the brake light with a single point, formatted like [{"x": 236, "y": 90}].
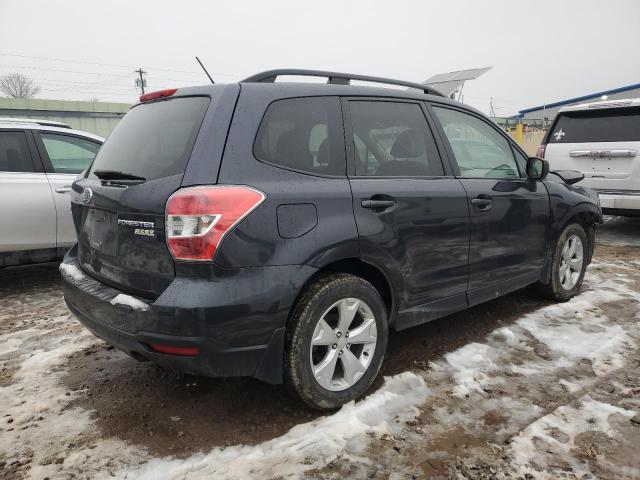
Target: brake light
[
  {"x": 158, "y": 94},
  {"x": 541, "y": 149},
  {"x": 198, "y": 218}
]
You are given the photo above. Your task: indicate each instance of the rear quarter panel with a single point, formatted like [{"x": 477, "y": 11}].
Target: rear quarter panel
[{"x": 257, "y": 239}]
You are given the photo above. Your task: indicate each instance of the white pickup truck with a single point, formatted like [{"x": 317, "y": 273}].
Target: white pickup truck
[
  {"x": 601, "y": 140},
  {"x": 38, "y": 161}
]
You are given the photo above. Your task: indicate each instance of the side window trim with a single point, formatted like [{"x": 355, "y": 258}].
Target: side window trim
[
  {"x": 341, "y": 126},
  {"x": 450, "y": 153},
  {"x": 44, "y": 155},
  {"x": 350, "y": 147}
]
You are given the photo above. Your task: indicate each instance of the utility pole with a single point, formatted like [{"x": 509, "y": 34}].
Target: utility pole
[
  {"x": 492, "y": 110},
  {"x": 141, "y": 82}
]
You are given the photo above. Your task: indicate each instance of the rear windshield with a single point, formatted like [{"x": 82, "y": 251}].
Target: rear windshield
[
  {"x": 153, "y": 140},
  {"x": 618, "y": 125}
]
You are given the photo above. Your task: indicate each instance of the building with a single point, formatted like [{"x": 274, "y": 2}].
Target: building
[
  {"x": 546, "y": 113},
  {"x": 95, "y": 117}
]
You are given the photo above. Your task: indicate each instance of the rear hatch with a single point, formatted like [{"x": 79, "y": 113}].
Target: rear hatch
[
  {"x": 602, "y": 143},
  {"x": 119, "y": 207}
]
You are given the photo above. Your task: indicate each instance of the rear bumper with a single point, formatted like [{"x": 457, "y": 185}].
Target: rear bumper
[
  {"x": 235, "y": 318},
  {"x": 619, "y": 202}
]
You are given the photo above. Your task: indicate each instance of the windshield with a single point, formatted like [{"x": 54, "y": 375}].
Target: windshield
[{"x": 153, "y": 140}]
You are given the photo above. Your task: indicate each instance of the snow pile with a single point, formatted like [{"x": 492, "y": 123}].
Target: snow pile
[
  {"x": 307, "y": 445},
  {"x": 128, "y": 300},
  {"x": 71, "y": 271}
]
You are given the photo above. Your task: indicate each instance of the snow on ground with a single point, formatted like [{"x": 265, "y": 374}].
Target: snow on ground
[
  {"x": 560, "y": 350},
  {"x": 306, "y": 446},
  {"x": 558, "y": 431}
]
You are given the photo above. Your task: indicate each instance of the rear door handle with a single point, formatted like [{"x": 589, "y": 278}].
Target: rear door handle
[
  {"x": 65, "y": 189},
  {"x": 378, "y": 204},
  {"x": 482, "y": 202}
]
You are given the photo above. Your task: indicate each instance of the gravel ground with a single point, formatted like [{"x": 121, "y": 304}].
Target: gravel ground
[{"x": 515, "y": 388}]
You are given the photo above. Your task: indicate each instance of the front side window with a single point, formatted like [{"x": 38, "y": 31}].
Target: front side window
[
  {"x": 69, "y": 154},
  {"x": 479, "y": 150},
  {"x": 14, "y": 153},
  {"x": 393, "y": 139},
  {"x": 303, "y": 134}
]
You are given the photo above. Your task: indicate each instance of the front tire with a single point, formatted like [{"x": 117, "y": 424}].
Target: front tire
[
  {"x": 336, "y": 341},
  {"x": 568, "y": 264}
]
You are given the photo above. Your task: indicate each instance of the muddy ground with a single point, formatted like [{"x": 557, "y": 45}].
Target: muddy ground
[{"x": 514, "y": 388}]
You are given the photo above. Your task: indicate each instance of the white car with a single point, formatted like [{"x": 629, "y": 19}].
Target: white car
[
  {"x": 601, "y": 140},
  {"x": 38, "y": 161}
]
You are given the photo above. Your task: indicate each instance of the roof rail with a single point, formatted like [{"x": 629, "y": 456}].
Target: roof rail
[
  {"x": 44, "y": 123},
  {"x": 335, "y": 78}
]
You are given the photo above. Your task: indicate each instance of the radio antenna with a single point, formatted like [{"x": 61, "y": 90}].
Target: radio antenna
[{"x": 205, "y": 70}]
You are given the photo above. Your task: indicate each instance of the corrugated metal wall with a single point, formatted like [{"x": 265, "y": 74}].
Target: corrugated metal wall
[{"x": 95, "y": 117}]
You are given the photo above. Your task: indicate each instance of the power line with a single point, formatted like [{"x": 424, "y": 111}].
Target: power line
[{"x": 86, "y": 62}]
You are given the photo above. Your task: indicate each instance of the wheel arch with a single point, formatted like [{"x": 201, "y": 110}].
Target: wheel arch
[
  {"x": 369, "y": 272},
  {"x": 585, "y": 216}
]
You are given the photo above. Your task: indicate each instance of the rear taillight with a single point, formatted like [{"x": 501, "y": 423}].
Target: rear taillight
[
  {"x": 159, "y": 94},
  {"x": 198, "y": 218},
  {"x": 541, "y": 149}
]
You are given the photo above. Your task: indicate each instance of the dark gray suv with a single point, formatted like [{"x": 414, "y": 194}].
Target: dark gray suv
[{"x": 280, "y": 230}]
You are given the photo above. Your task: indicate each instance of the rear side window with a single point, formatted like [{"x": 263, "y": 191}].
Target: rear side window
[
  {"x": 303, "y": 134},
  {"x": 393, "y": 139},
  {"x": 69, "y": 154},
  {"x": 154, "y": 140},
  {"x": 14, "y": 153},
  {"x": 613, "y": 125}
]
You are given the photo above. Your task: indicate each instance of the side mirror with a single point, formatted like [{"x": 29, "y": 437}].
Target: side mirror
[{"x": 537, "y": 168}]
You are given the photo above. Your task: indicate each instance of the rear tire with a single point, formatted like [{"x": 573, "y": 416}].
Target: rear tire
[
  {"x": 568, "y": 265},
  {"x": 336, "y": 341}
]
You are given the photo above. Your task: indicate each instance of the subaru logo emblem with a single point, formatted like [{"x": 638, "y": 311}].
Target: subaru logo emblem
[{"x": 87, "y": 195}]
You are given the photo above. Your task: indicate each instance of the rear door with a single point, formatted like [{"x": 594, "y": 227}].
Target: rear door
[
  {"x": 65, "y": 156},
  {"x": 509, "y": 213},
  {"x": 26, "y": 205},
  {"x": 119, "y": 206},
  {"x": 411, "y": 214},
  {"x": 604, "y": 144}
]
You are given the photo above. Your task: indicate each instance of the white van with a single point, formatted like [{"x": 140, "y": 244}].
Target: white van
[{"x": 601, "y": 140}]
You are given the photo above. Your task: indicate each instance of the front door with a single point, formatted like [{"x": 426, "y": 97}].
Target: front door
[
  {"x": 411, "y": 213},
  {"x": 509, "y": 213}
]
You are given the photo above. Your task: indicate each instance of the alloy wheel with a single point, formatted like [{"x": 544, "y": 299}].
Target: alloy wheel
[
  {"x": 571, "y": 261},
  {"x": 343, "y": 344}
]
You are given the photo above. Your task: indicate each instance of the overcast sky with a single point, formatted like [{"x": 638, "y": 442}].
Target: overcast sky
[{"x": 541, "y": 51}]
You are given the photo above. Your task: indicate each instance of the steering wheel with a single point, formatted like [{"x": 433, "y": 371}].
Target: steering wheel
[{"x": 501, "y": 168}]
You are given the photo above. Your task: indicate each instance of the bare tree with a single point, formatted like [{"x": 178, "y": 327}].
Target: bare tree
[{"x": 17, "y": 85}]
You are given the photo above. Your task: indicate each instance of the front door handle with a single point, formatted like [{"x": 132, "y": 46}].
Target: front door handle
[
  {"x": 482, "y": 202},
  {"x": 65, "y": 189}
]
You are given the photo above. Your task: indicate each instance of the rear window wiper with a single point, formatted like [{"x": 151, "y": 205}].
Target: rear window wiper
[{"x": 117, "y": 176}]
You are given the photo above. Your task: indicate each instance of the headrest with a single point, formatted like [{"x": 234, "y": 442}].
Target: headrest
[
  {"x": 409, "y": 144},
  {"x": 324, "y": 155},
  {"x": 292, "y": 149}
]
